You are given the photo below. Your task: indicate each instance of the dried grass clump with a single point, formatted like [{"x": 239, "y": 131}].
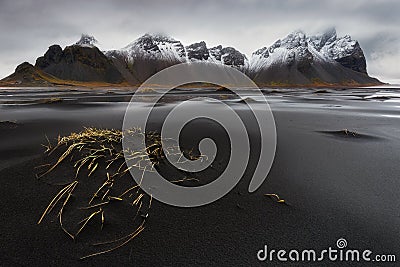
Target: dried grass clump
[{"x": 92, "y": 152}]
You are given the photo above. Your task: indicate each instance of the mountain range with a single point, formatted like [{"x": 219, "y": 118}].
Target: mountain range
[{"x": 296, "y": 60}]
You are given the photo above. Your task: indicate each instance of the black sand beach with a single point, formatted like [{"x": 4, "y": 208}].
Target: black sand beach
[{"x": 336, "y": 184}]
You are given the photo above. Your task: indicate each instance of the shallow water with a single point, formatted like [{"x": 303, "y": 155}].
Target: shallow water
[{"x": 23, "y": 104}]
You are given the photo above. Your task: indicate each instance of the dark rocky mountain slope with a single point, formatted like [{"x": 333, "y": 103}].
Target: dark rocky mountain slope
[{"x": 79, "y": 62}]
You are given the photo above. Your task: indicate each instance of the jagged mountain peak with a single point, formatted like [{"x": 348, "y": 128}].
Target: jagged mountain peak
[
  {"x": 198, "y": 51},
  {"x": 293, "y": 40},
  {"x": 291, "y": 50},
  {"x": 155, "y": 45},
  {"x": 343, "y": 50},
  {"x": 325, "y": 38},
  {"x": 87, "y": 41},
  {"x": 230, "y": 56},
  {"x": 217, "y": 54},
  {"x": 302, "y": 59},
  {"x": 158, "y": 37},
  {"x": 296, "y": 35},
  {"x": 333, "y": 46},
  {"x": 79, "y": 62},
  {"x": 301, "y": 49}
]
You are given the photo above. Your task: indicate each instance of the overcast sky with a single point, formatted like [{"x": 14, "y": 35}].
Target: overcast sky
[{"x": 29, "y": 27}]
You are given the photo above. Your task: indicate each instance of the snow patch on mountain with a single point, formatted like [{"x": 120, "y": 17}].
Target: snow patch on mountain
[
  {"x": 291, "y": 49},
  {"x": 329, "y": 45},
  {"x": 155, "y": 46}
]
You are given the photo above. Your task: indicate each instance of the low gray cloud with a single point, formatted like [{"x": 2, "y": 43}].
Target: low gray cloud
[{"x": 29, "y": 27}]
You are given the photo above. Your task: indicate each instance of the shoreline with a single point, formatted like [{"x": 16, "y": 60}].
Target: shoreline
[{"x": 118, "y": 86}]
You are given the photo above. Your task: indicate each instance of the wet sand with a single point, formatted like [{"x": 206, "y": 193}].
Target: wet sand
[{"x": 336, "y": 184}]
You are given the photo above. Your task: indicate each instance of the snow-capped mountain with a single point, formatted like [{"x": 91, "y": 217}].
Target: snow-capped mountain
[
  {"x": 147, "y": 55},
  {"x": 165, "y": 48},
  {"x": 87, "y": 41},
  {"x": 293, "y": 48},
  {"x": 151, "y": 53},
  {"x": 321, "y": 60},
  {"x": 301, "y": 59},
  {"x": 344, "y": 50},
  {"x": 295, "y": 59},
  {"x": 299, "y": 48},
  {"x": 152, "y": 46}
]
